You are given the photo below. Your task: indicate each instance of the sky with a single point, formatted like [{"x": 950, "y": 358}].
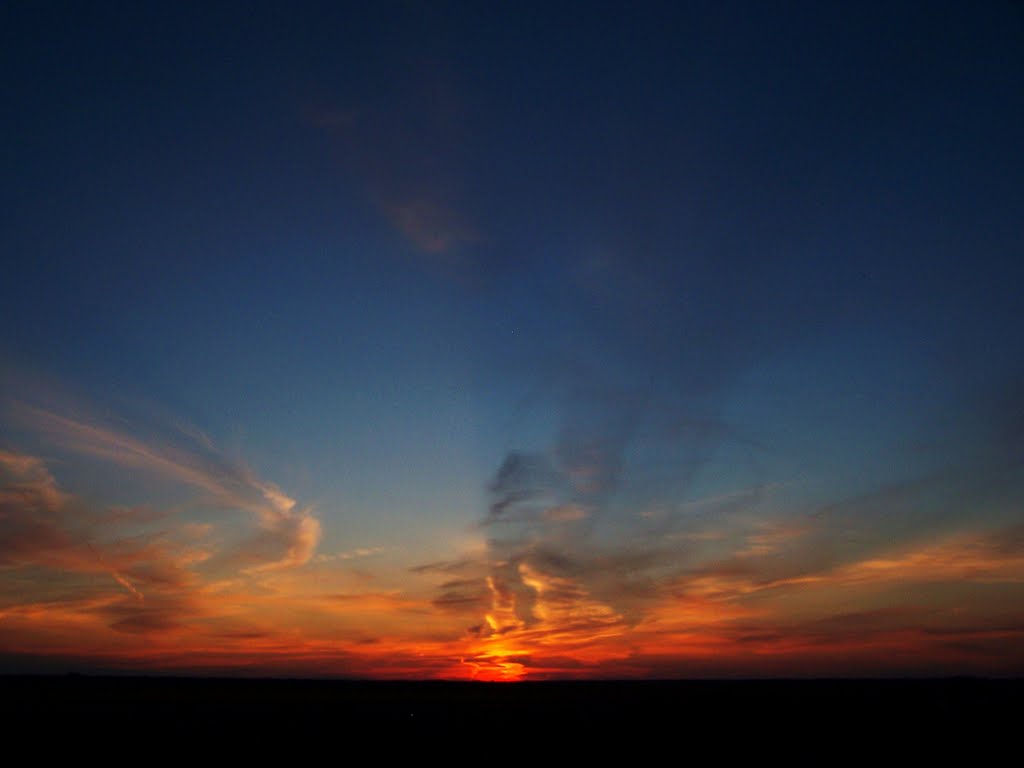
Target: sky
[{"x": 518, "y": 342}]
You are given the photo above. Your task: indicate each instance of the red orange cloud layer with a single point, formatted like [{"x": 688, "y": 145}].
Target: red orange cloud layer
[{"x": 145, "y": 589}]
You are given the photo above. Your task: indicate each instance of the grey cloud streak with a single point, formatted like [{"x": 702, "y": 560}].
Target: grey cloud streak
[
  {"x": 42, "y": 527},
  {"x": 287, "y": 535},
  {"x": 160, "y": 562}
]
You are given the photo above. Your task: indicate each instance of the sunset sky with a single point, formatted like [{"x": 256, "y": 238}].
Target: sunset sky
[{"x": 516, "y": 341}]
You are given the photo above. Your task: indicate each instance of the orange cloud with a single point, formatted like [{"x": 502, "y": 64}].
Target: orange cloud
[
  {"x": 431, "y": 226},
  {"x": 288, "y": 536},
  {"x": 116, "y": 588},
  {"x": 975, "y": 557}
]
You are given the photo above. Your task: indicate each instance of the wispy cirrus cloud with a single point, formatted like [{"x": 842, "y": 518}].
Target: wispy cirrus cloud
[
  {"x": 43, "y": 528},
  {"x": 733, "y": 580},
  {"x": 401, "y": 147},
  {"x": 432, "y": 226},
  {"x": 350, "y": 554},
  {"x": 287, "y": 535},
  {"x": 38, "y": 525},
  {"x": 165, "y": 561}
]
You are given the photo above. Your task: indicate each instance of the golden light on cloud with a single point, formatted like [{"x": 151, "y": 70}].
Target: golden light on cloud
[{"x": 132, "y": 587}]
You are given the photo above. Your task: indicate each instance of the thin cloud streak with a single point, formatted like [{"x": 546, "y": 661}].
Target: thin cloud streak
[{"x": 293, "y": 533}]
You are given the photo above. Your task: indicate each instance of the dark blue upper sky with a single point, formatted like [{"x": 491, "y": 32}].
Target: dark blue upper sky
[{"x": 676, "y": 249}]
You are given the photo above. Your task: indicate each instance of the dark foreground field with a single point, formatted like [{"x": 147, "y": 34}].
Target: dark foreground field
[{"x": 731, "y": 717}]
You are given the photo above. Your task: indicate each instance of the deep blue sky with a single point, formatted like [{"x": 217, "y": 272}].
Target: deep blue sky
[{"x": 667, "y": 253}]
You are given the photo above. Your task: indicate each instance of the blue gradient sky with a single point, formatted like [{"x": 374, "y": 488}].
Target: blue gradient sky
[{"x": 633, "y": 280}]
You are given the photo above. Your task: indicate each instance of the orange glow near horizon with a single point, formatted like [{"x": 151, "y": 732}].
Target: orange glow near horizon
[
  {"x": 674, "y": 640},
  {"x": 163, "y": 602},
  {"x": 673, "y": 341}
]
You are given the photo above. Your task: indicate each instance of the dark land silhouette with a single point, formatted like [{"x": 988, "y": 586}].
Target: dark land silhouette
[{"x": 734, "y": 717}]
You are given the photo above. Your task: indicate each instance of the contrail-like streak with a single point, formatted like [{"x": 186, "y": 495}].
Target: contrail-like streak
[{"x": 114, "y": 572}]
